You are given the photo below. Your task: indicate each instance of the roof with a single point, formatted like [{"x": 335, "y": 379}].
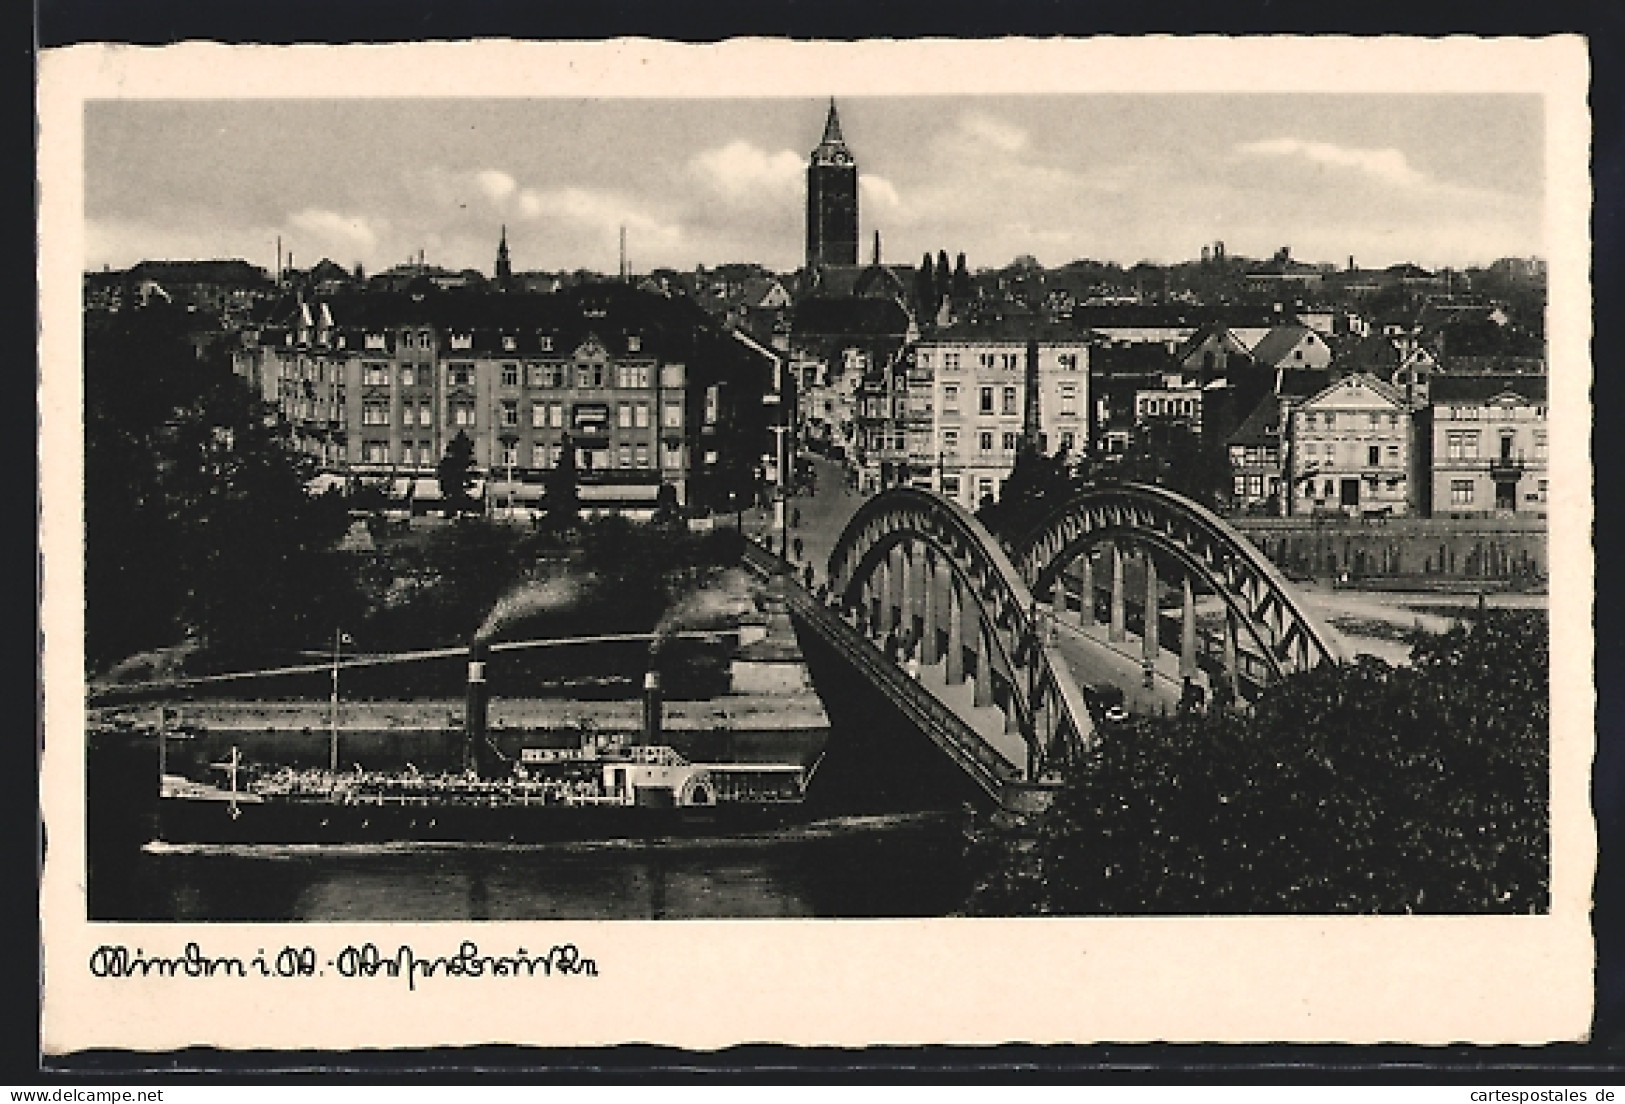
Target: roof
[
  {"x": 1302, "y": 382},
  {"x": 1131, "y": 360},
  {"x": 1261, "y": 427},
  {"x": 850, "y": 315},
  {"x": 1276, "y": 345},
  {"x": 198, "y": 272},
  {"x": 1472, "y": 390},
  {"x": 1375, "y": 353}
]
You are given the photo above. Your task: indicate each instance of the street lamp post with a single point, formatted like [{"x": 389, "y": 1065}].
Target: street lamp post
[{"x": 339, "y": 640}]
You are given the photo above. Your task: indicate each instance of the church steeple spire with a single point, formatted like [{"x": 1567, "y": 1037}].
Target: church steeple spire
[
  {"x": 504, "y": 269},
  {"x": 832, "y": 127}
]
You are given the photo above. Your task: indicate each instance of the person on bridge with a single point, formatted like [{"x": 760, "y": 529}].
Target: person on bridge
[{"x": 808, "y": 575}]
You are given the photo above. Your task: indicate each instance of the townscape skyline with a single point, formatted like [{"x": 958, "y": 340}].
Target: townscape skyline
[{"x": 1438, "y": 180}]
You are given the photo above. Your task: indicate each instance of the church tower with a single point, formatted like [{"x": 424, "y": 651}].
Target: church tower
[
  {"x": 504, "y": 269},
  {"x": 832, "y": 199}
]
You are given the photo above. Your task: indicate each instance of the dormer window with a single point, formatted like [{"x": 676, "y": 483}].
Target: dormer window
[
  {"x": 462, "y": 341},
  {"x": 374, "y": 341},
  {"x": 634, "y": 343},
  {"x": 509, "y": 343},
  {"x": 546, "y": 342}
]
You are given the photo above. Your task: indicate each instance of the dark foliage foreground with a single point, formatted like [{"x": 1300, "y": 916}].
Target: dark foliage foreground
[{"x": 1362, "y": 788}]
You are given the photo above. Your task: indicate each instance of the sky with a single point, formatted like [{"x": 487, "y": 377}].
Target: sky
[{"x": 1441, "y": 180}]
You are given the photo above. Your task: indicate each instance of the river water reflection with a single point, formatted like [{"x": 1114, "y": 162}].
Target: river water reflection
[{"x": 906, "y": 865}]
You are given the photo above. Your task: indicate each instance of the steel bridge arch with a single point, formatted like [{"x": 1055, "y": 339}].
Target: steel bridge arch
[
  {"x": 1290, "y": 637},
  {"x": 1055, "y": 718}
]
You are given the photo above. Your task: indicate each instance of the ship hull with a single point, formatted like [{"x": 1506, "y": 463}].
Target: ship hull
[{"x": 186, "y": 821}]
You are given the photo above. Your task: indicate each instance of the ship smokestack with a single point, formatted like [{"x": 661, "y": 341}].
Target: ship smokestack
[
  {"x": 651, "y": 708},
  {"x": 474, "y": 710}
]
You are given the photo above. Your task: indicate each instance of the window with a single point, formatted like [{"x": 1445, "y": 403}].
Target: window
[
  {"x": 950, "y": 486},
  {"x": 1540, "y": 447},
  {"x": 510, "y": 412},
  {"x": 462, "y": 414},
  {"x": 375, "y": 375},
  {"x": 642, "y": 454},
  {"x": 1309, "y": 420},
  {"x": 950, "y": 399},
  {"x": 1373, "y": 455},
  {"x": 671, "y": 417},
  {"x": 555, "y": 415},
  {"x": 536, "y": 374},
  {"x": 1461, "y": 492},
  {"x": 950, "y": 440},
  {"x": 985, "y": 440},
  {"x": 1331, "y": 420},
  {"x": 1008, "y": 442},
  {"x": 1069, "y": 398},
  {"x": 623, "y": 416},
  {"x": 713, "y": 404},
  {"x": 1069, "y": 439},
  {"x": 1393, "y": 421},
  {"x": 458, "y": 341},
  {"x": 1009, "y": 400},
  {"x": 671, "y": 456},
  {"x": 375, "y": 341},
  {"x": 924, "y": 359},
  {"x": 1239, "y": 484},
  {"x": 509, "y": 343},
  {"x": 409, "y": 375},
  {"x": 1453, "y": 445},
  {"x": 625, "y": 453},
  {"x": 1470, "y": 445},
  {"x": 462, "y": 373},
  {"x": 984, "y": 488},
  {"x": 558, "y": 375},
  {"x": 1393, "y": 454},
  {"x": 375, "y": 414},
  {"x": 538, "y": 415},
  {"x": 409, "y": 414},
  {"x": 950, "y": 361},
  {"x": 510, "y": 454},
  {"x": 1069, "y": 362},
  {"x": 510, "y": 375},
  {"x": 671, "y": 375},
  {"x": 539, "y": 454},
  {"x": 986, "y": 405},
  {"x": 1255, "y": 485},
  {"x": 545, "y": 342},
  {"x": 425, "y": 415},
  {"x": 1540, "y": 492},
  {"x": 1011, "y": 361},
  {"x": 377, "y": 452},
  {"x": 640, "y": 415},
  {"x": 590, "y": 375},
  {"x": 987, "y": 360},
  {"x": 634, "y": 343}
]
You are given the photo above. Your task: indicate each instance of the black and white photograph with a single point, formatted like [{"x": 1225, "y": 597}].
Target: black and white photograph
[{"x": 534, "y": 503}]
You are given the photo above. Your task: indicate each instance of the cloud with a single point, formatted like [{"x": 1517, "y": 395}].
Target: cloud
[
  {"x": 497, "y": 185},
  {"x": 986, "y": 130},
  {"x": 742, "y": 171},
  {"x": 1387, "y": 165},
  {"x": 879, "y": 194},
  {"x": 334, "y": 232},
  {"x": 597, "y": 210}
]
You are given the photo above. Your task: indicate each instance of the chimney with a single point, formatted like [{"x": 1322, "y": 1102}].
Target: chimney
[
  {"x": 651, "y": 708},
  {"x": 474, "y": 710}
]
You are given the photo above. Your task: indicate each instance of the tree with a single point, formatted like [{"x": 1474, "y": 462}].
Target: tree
[
  {"x": 667, "y": 511},
  {"x": 1037, "y": 484},
  {"x": 197, "y": 517},
  {"x": 961, "y": 281},
  {"x": 1350, "y": 788},
  {"x": 563, "y": 497},
  {"x": 455, "y": 473},
  {"x": 925, "y": 286},
  {"x": 944, "y": 275}
]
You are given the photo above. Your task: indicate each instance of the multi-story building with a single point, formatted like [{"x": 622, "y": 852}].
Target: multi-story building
[
  {"x": 1256, "y": 468},
  {"x": 1486, "y": 443},
  {"x": 979, "y": 405},
  {"x": 1351, "y": 451},
  {"x": 645, "y": 390}
]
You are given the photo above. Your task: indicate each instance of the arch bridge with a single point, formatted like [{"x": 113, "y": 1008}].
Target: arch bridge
[{"x": 994, "y": 638}]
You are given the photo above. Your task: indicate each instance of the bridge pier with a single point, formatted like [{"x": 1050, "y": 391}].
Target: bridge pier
[
  {"x": 1086, "y": 605},
  {"x": 956, "y": 632},
  {"x": 1117, "y": 631},
  {"x": 1187, "y": 630},
  {"x": 1152, "y": 642}
]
